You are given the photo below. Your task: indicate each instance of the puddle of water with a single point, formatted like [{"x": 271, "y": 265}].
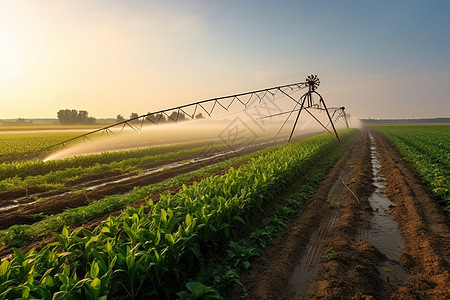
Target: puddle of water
[
  {"x": 14, "y": 206},
  {"x": 384, "y": 233},
  {"x": 165, "y": 167}
]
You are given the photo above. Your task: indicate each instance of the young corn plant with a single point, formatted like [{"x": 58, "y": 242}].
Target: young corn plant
[{"x": 145, "y": 252}]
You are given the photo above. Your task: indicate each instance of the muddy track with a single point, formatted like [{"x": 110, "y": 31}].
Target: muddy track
[
  {"x": 425, "y": 229},
  {"x": 335, "y": 248}
]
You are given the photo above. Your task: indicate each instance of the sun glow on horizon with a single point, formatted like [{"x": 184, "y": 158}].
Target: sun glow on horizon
[
  {"x": 119, "y": 57},
  {"x": 13, "y": 55},
  {"x": 13, "y": 46}
]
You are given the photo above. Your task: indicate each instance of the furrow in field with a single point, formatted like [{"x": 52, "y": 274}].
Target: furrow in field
[{"x": 17, "y": 211}]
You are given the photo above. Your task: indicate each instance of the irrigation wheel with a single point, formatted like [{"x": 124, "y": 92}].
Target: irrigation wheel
[{"x": 313, "y": 82}]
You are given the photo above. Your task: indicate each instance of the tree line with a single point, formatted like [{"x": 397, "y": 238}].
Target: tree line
[
  {"x": 73, "y": 116},
  {"x": 160, "y": 118}
]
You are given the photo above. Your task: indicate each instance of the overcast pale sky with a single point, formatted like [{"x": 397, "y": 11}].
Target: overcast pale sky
[{"x": 377, "y": 58}]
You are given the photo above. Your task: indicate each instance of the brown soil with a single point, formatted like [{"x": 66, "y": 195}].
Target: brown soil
[
  {"x": 101, "y": 176},
  {"x": 92, "y": 224},
  {"x": 84, "y": 180},
  {"x": 322, "y": 255},
  {"x": 426, "y": 230},
  {"x": 16, "y": 193},
  {"x": 62, "y": 199}
]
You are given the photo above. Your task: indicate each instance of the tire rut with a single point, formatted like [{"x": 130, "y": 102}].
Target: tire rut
[{"x": 281, "y": 271}]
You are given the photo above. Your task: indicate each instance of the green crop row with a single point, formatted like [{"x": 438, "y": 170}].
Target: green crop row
[
  {"x": 54, "y": 179},
  {"x": 14, "y": 146},
  {"x": 219, "y": 273},
  {"x": 147, "y": 252},
  {"x": 427, "y": 148},
  {"x": 18, "y": 235},
  {"x": 36, "y": 167}
]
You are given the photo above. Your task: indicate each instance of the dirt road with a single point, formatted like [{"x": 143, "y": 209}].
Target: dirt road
[{"x": 371, "y": 231}]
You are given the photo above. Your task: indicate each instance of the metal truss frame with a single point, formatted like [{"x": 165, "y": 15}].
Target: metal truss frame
[{"x": 209, "y": 106}]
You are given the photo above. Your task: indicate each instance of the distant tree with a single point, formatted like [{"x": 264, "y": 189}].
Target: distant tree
[
  {"x": 67, "y": 116},
  {"x": 176, "y": 117},
  {"x": 199, "y": 116},
  {"x": 89, "y": 120},
  {"x": 120, "y": 118},
  {"x": 155, "y": 119},
  {"x": 133, "y": 116},
  {"x": 82, "y": 116},
  {"x": 72, "y": 116}
]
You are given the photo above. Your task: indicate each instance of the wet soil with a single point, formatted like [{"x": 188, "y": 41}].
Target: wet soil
[
  {"x": 7, "y": 197},
  {"x": 99, "y": 185},
  {"x": 371, "y": 231},
  {"x": 425, "y": 229},
  {"x": 6, "y": 252}
]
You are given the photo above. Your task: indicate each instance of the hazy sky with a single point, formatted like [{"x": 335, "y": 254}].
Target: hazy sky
[{"x": 377, "y": 58}]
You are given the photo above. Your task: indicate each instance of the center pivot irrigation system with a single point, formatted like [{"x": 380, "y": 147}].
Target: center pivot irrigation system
[{"x": 306, "y": 102}]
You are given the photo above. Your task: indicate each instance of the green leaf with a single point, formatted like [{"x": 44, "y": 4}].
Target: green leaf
[
  {"x": 94, "y": 270},
  {"x": 198, "y": 290},
  {"x": 4, "y": 267},
  {"x": 63, "y": 278},
  {"x": 48, "y": 281},
  {"x": 93, "y": 239},
  {"x": 64, "y": 254},
  {"x": 96, "y": 283},
  {"x": 246, "y": 264},
  {"x": 170, "y": 238},
  {"x": 163, "y": 216},
  {"x": 80, "y": 283},
  {"x": 183, "y": 295},
  {"x": 188, "y": 220},
  {"x": 238, "y": 218},
  {"x": 25, "y": 292},
  {"x": 18, "y": 255},
  {"x": 60, "y": 295},
  {"x": 65, "y": 231}
]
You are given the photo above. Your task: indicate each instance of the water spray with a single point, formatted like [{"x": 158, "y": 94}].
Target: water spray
[{"x": 249, "y": 100}]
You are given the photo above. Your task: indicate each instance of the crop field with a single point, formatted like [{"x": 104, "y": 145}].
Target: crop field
[
  {"x": 17, "y": 145},
  {"x": 53, "y": 173},
  {"x": 158, "y": 151},
  {"x": 273, "y": 220},
  {"x": 428, "y": 150}
]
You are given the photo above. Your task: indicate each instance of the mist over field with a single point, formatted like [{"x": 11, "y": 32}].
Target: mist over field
[{"x": 240, "y": 130}]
